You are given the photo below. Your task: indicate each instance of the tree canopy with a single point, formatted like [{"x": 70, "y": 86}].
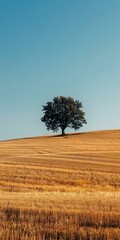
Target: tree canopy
[{"x": 63, "y": 112}]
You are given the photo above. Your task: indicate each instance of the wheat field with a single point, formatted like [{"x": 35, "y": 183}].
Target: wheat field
[{"x": 61, "y": 187}]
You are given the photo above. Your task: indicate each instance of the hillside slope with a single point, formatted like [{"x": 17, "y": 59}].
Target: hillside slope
[
  {"x": 93, "y": 152},
  {"x": 50, "y": 183}
]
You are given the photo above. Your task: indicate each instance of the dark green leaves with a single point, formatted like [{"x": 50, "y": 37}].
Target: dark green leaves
[{"x": 63, "y": 112}]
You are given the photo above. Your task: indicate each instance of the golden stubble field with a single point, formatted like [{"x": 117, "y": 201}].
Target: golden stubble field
[{"x": 57, "y": 188}]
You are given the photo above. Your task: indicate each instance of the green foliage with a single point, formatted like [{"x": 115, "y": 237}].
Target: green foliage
[{"x": 63, "y": 112}]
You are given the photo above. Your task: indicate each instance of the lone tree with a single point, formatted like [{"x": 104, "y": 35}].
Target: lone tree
[{"x": 63, "y": 112}]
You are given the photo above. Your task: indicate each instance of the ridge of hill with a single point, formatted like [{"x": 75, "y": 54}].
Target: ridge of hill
[{"x": 90, "y": 133}]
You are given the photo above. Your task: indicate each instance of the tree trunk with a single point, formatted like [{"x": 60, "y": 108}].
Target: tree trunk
[{"x": 63, "y": 131}]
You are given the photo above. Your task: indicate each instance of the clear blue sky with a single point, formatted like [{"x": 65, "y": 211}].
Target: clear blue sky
[{"x": 58, "y": 47}]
